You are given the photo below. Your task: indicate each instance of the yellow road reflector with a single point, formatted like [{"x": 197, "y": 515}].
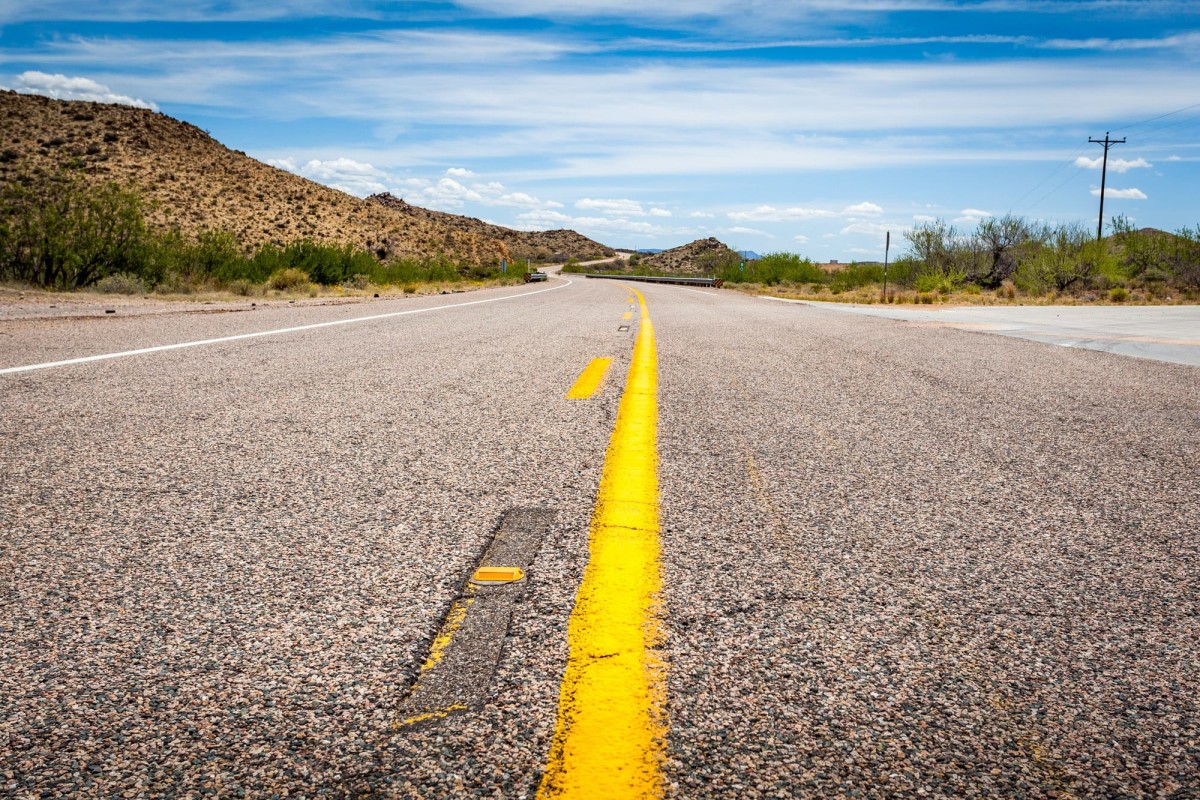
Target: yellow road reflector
[
  {"x": 628, "y": 315},
  {"x": 590, "y": 379},
  {"x": 611, "y": 709},
  {"x": 491, "y": 575}
]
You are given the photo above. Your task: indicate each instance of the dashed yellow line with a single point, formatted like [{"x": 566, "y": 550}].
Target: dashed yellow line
[
  {"x": 590, "y": 379},
  {"x": 611, "y": 724},
  {"x": 628, "y": 315}
]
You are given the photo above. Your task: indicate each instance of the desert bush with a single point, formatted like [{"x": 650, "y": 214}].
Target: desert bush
[
  {"x": 856, "y": 276},
  {"x": 289, "y": 278},
  {"x": 771, "y": 269},
  {"x": 57, "y": 231},
  {"x": 120, "y": 283},
  {"x": 1118, "y": 294}
]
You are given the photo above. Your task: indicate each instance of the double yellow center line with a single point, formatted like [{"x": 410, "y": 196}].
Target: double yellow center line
[{"x": 611, "y": 724}]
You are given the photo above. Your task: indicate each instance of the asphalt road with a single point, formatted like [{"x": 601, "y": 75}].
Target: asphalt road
[
  {"x": 1163, "y": 333},
  {"x": 895, "y": 560}
]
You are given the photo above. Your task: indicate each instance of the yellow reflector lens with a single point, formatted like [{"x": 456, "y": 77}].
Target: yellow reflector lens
[{"x": 498, "y": 575}]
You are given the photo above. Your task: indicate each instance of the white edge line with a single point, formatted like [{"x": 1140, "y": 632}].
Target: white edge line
[{"x": 179, "y": 346}]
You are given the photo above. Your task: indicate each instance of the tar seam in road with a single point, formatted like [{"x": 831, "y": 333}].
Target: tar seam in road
[{"x": 611, "y": 724}]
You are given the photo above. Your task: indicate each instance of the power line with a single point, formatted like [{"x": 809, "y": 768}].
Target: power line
[
  {"x": 1071, "y": 177},
  {"x": 1070, "y": 160},
  {"x": 1160, "y": 116}
]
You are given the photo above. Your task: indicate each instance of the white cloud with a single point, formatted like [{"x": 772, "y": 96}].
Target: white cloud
[
  {"x": 773, "y": 214},
  {"x": 701, "y": 215},
  {"x": 1114, "y": 164},
  {"x": 923, "y": 218},
  {"x": 343, "y": 174},
  {"x": 870, "y": 209},
  {"x": 801, "y": 238},
  {"x": 1121, "y": 194},
  {"x": 449, "y": 193},
  {"x": 459, "y": 172},
  {"x": 869, "y": 228},
  {"x": 629, "y": 208},
  {"x": 541, "y": 219},
  {"x": 748, "y": 231},
  {"x": 971, "y": 216},
  {"x": 62, "y": 87},
  {"x": 659, "y": 212}
]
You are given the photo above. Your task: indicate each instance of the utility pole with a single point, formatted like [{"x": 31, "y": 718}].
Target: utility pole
[
  {"x": 1103, "y": 176},
  {"x": 886, "y": 247}
]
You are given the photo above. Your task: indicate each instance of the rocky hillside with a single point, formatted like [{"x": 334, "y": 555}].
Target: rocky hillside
[
  {"x": 556, "y": 245},
  {"x": 195, "y": 183},
  {"x": 701, "y": 256}
]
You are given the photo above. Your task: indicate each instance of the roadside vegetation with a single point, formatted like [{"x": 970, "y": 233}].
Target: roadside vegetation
[
  {"x": 60, "y": 232},
  {"x": 1005, "y": 260}
]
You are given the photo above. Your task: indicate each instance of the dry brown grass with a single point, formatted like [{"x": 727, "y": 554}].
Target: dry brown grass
[{"x": 1001, "y": 297}]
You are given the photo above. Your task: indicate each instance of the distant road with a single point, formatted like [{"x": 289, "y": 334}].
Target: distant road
[{"x": 891, "y": 559}]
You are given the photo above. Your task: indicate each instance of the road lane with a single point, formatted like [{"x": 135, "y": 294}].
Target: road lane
[
  {"x": 223, "y": 566},
  {"x": 895, "y": 559},
  {"x": 904, "y": 561}
]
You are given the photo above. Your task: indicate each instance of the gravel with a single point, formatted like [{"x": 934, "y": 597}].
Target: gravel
[{"x": 897, "y": 560}]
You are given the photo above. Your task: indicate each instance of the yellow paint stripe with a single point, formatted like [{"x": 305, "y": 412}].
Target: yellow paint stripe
[
  {"x": 441, "y": 712},
  {"x": 611, "y": 724},
  {"x": 454, "y": 621},
  {"x": 628, "y": 315},
  {"x": 590, "y": 379}
]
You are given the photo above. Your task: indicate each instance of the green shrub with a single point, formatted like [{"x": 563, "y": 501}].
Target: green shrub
[
  {"x": 772, "y": 269},
  {"x": 289, "y": 278},
  {"x": 120, "y": 283},
  {"x": 57, "y": 231},
  {"x": 1118, "y": 294}
]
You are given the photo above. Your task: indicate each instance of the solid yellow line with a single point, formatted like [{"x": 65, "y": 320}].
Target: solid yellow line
[
  {"x": 611, "y": 725},
  {"x": 590, "y": 379}
]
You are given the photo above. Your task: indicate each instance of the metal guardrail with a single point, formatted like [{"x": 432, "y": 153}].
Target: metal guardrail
[
  {"x": 714, "y": 282},
  {"x": 534, "y": 277}
]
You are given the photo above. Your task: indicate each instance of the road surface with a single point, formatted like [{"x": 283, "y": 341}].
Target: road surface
[
  {"x": 1164, "y": 333},
  {"x": 885, "y": 560}
]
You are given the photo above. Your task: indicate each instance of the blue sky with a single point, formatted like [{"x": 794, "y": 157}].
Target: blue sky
[{"x": 809, "y": 127}]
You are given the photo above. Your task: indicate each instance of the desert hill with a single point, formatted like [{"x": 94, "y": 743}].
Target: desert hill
[
  {"x": 195, "y": 183},
  {"x": 541, "y": 245},
  {"x": 700, "y": 256}
]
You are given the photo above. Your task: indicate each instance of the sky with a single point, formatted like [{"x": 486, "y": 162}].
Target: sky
[{"x": 815, "y": 126}]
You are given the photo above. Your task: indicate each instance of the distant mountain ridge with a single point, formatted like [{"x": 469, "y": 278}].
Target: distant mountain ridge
[{"x": 195, "y": 183}]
